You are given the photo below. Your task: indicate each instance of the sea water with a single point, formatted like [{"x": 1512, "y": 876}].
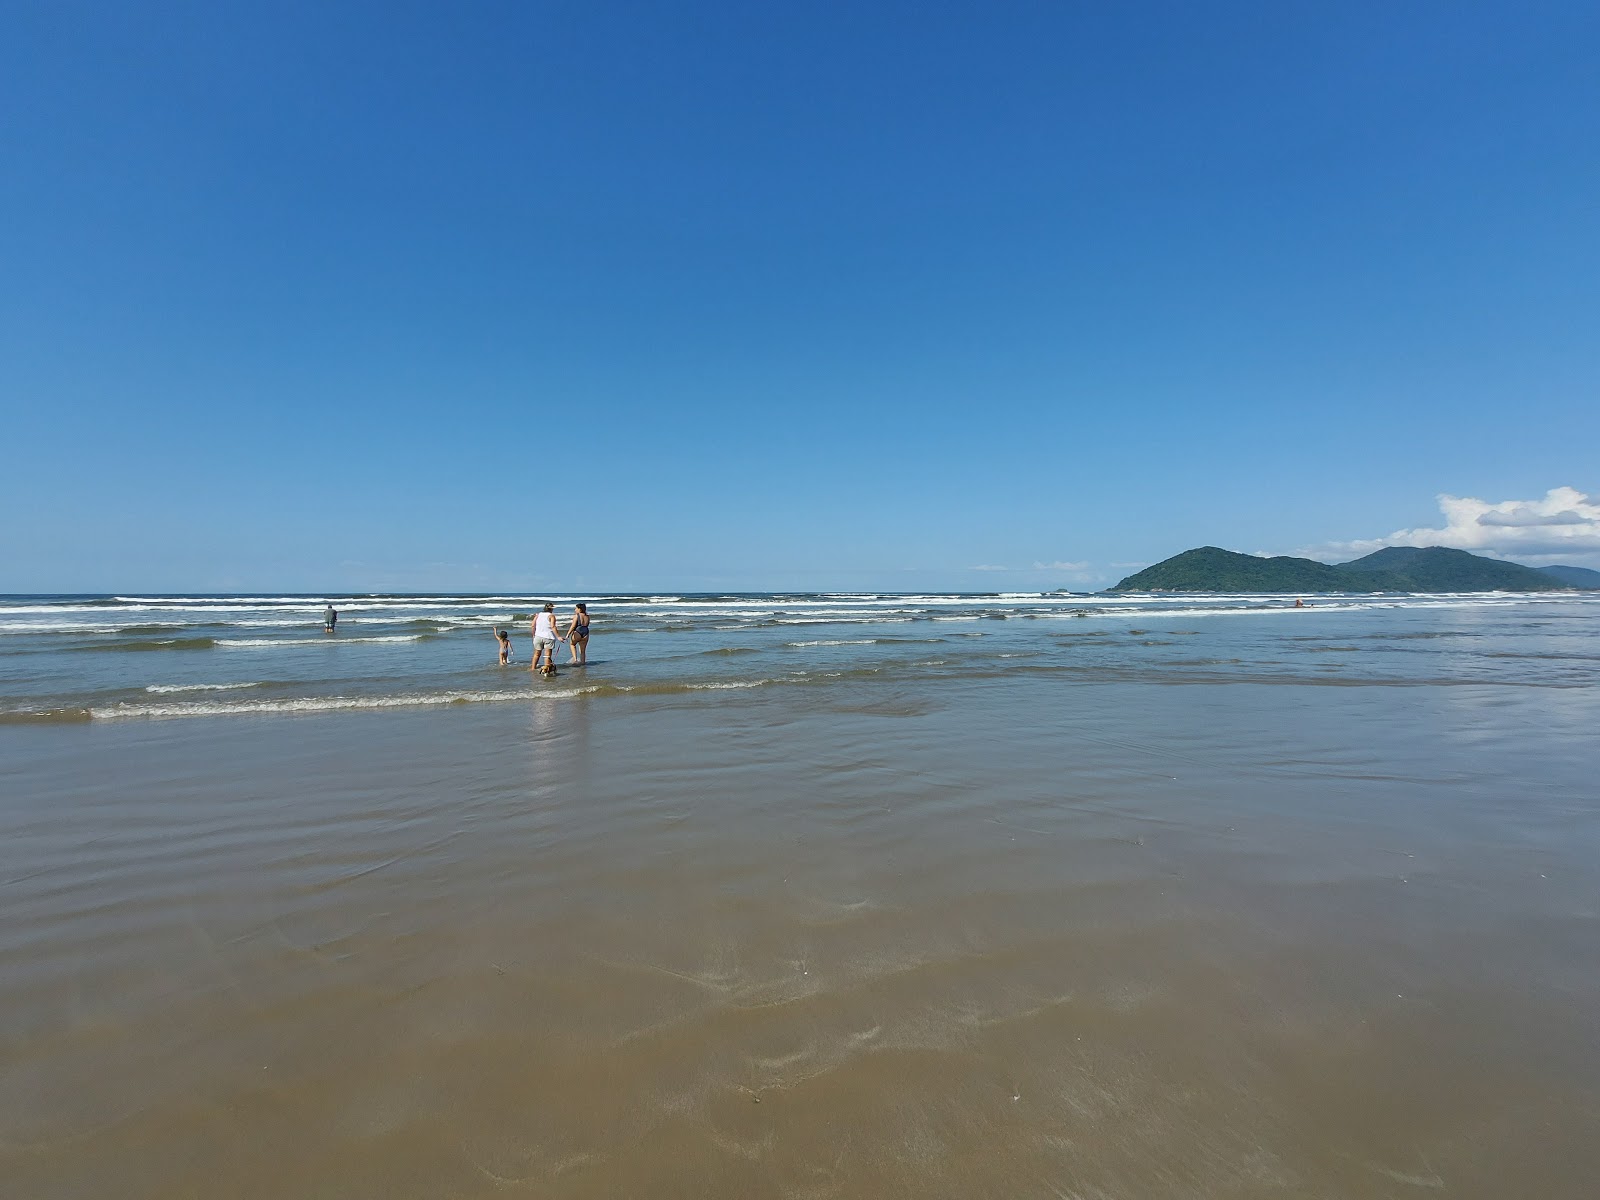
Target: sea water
[
  {"x": 801, "y": 895},
  {"x": 72, "y": 658}
]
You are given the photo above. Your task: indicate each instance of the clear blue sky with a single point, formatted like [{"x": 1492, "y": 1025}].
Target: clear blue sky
[{"x": 830, "y": 295}]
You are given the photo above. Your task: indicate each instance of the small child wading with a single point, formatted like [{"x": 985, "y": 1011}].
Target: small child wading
[{"x": 504, "y": 637}]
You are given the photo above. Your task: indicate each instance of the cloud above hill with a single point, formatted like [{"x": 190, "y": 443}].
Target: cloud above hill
[{"x": 1563, "y": 527}]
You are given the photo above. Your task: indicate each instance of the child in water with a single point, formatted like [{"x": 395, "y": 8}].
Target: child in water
[{"x": 505, "y": 645}]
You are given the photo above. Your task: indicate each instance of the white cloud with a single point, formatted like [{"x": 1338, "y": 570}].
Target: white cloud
[
  {"x": 1061, "y": 566},
  {"x": 1563, "y": 527},
  {"x": 988, "y": 567}
]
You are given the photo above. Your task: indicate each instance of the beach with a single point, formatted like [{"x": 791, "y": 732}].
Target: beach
[{"x": 801, "y": 896}]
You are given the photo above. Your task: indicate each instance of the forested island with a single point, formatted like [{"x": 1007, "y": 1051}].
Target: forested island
[{"x": 1393, "y": 569}]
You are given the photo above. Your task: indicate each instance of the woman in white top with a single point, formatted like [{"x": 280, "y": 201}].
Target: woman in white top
[{"x": 544, "y": 639}]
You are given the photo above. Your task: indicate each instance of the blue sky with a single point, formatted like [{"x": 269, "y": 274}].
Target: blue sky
[{"x": 758, "y": 295}]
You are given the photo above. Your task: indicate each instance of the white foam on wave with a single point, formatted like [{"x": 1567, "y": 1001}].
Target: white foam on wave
[
  {"x": 166, "y": 688},
  {"x": 321, "y": 641},
  {"x": 202, "y": 601},
  {"x": 258, "y": 622},
  {"x": 55, "y": 627},
  {"x": 115, "y": 621},
  {"x": 843, "y": 620},
  {"x": 326, "y": 704},
  {"x": 836, "y": 642},
  {"x": 60, "y": 608},
  {"x": 1131, "y": 614},
  {"x": 320, "y": 704}
]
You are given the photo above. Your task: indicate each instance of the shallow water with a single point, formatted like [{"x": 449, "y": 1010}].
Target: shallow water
[
  {"x": 73, "y": 659},
  {"x": 1052, "y": 911}
]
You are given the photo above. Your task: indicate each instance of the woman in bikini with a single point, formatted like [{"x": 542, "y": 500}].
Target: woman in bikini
[{"x": 578, "y": 635}]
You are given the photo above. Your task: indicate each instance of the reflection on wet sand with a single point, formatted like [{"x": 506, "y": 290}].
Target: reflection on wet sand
[{"x": 999, "y": 939}]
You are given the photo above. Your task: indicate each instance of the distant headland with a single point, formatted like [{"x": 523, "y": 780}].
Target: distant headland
[{"x": 1393, "y": 569}]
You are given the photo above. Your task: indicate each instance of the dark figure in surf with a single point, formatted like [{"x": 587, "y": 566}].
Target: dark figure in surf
[{"x": 330, "y": 618}]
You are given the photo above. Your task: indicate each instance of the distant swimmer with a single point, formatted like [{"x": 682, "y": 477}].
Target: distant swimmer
[
  {"x": 504, "y": 637},
  {"x": 1301, "y": 604},
  {"x": 544, "y": 640},
  {"x": 330, "y": 618},
  {"x": 578, "y": 635}
]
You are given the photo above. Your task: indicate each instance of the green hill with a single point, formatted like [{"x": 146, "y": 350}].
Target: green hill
[
  {"x": 1437, "y": 569},
  {"x": 1395, "y": 569},
  {"x": 1211, "y": 569},
  {"x": 1578, "y": 577}
]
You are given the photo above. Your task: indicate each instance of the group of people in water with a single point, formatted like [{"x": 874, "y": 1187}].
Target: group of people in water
[{"x": 546, "y": 638}]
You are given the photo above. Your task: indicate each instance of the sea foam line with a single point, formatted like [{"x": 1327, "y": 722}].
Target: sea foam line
[
  {"x": 317, "y": 704},
  {"x": 325, "y": 640},
  {"x": 323, "y": 704},
  {"x": 166, "y": 688}
]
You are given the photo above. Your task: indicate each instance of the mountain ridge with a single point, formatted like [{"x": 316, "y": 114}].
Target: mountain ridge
[
  {"x": 1578, "y": 577},
  {"x": 1392, "y": 569}
]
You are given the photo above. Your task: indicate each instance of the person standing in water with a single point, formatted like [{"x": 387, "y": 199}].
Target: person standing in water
[
  {"x": 503, "y": 636},
  {"x": 544, "y": 639},
  {"x": 578, "y": 635},
  {"x": 330, "y": 618}
]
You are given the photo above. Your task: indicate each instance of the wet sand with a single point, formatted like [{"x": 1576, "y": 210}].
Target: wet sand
[{"x": 994, "y": 937}]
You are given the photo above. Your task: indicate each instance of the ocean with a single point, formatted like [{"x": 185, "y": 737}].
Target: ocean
[
  {"x": 1018, "y": 895},
  {"x": 76, "y": 658}
]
